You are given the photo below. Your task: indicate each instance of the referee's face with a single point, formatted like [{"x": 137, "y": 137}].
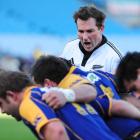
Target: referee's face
[{"x": 89, "y": 34}]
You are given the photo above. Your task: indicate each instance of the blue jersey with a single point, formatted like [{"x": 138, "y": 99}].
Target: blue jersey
[
  {"x": 103, "y": 81},
  {"x": 106, "y": 89},
  {"x": 124, "y": 127},
  {"x": 81, "y": 120},
  {"x": 103, "y": 105}
]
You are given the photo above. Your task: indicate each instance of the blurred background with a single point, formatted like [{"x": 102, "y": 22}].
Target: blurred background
[{"x": 29, "y": 28}]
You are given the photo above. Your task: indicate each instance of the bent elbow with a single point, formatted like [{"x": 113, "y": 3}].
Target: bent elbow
[{"x": 55, "y": 131}]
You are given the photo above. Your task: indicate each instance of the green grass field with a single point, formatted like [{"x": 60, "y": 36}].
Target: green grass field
[{"x": 10, "y": 129}]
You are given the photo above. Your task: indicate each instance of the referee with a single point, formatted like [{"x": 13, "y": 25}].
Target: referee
[{"x": 92, "y": 49}]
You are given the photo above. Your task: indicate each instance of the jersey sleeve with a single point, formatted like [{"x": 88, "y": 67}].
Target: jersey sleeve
[
  {"x": 103, "y": 105},
  {"x": 36, "y": 113}
]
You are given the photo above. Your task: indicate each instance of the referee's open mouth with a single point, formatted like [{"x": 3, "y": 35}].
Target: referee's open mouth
[
  {"x": 87, "y": 46},
  {"x": 87, "y": 43}
]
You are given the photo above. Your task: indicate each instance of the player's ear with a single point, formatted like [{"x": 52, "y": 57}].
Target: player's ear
[
  {"x": 11, "y": 95},
  {"x": 102, "y": 28},
  {"x": 49, "y": 83}
]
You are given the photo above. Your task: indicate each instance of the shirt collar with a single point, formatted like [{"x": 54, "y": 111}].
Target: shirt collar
[{"x": 104, "y": 40}]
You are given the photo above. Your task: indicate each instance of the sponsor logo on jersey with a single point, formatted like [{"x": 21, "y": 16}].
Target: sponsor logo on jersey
[{"x": 92, "y": 77}]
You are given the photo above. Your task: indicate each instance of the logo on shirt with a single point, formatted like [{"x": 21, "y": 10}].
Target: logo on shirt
[
  {"x": 92, "y": 78},
  {"x": 107, "y": 91},
  {"x": 97, "y": 67}
]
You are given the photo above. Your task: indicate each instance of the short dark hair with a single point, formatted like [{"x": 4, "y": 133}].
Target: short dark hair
[
  {"x": 127, "y": 69},
  {"x": 13, "y": 81},
  {"x": 69, "y": 63},
  {"x": 86, "y": 12},
  {"x": 50, "y": 67}
]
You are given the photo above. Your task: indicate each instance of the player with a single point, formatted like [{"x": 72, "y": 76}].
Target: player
[
  {"x": 21, "y": 99},
  {"x": 47, "y": 66}
]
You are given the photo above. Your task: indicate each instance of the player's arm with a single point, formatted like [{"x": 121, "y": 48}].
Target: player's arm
[
  {"x": 84, "y": 93},
  {"x": 54, "y": 131},
  {"x": 124, "y": 108},
  {"x": 57, "y": 97},
  {"x": 133, "y": 100}
]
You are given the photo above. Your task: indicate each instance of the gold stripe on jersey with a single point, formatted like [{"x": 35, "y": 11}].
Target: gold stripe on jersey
[
  {"x": 110, "y": 106},
  {"x": 35, "y": 116},
  {"x": 107, "y": 91},
  {"x": 72, "y": 80}
]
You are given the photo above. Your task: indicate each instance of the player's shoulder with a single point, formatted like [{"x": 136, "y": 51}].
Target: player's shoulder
[
  {"x": 70, "y": 47},
  {"x": 114, "y": 50}
]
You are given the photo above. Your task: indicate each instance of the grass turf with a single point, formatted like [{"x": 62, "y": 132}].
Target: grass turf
[{"x": 10, "y": 129}]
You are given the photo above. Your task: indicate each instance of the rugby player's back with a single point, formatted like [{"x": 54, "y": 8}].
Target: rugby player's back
[{"x": 81, "y": 120}]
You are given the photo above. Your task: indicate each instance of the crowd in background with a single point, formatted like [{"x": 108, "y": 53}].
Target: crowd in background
[{"x": 11, "y": 62}]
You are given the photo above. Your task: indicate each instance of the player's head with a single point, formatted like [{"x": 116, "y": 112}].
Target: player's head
[
  {"x": 11, "y": 86},
  {"x": 49, "y": 68},
  {"x": 128, "y": 72},
  {"x": 90, "y": 26},
  {"x": 69, "y": 63}
]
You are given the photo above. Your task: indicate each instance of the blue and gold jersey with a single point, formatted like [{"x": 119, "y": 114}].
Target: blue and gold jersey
[
  {"x": 102, "y": 103},
  {"x": 81, "y": 120},
  {"x": 103, "y": 81},
  {"x": 73, "y": 80},
  {"x": 104, "y": 86},
  {"x": 35, "y": 113},
  {"x": 106, "y": 89},
  {"x": 77, "y": 76}
]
